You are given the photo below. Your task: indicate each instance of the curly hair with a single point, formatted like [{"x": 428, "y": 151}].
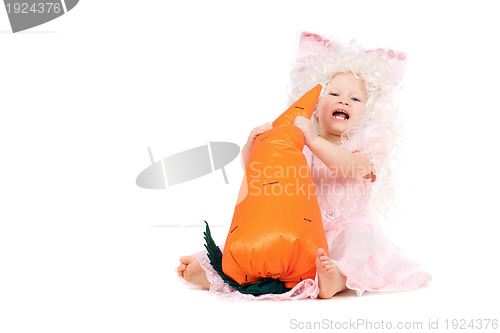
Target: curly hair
[{"x": 374, "y": 70}]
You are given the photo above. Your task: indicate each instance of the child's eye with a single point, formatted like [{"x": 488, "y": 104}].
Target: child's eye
[
  {"x": 334, "y": 94},
  {"x": 355, "y": 99}
]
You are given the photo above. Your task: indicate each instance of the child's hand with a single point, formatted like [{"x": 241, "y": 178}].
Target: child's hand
[
  {"x": 245, "y": 152},
  {"x": 256, "y": 131},
  {"x": 307, "y": 128}
]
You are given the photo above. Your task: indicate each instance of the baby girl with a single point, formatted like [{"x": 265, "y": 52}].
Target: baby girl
[{"x": 348, "y": 145}]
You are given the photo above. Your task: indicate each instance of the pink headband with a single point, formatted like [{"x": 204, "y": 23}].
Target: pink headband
[{"x": 311, "y": 43}]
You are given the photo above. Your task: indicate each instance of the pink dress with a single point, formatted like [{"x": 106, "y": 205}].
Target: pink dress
[{"x": 358, "y": 246}]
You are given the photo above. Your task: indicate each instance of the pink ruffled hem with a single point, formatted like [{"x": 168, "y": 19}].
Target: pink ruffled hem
[{"x": 355, "y": 281}]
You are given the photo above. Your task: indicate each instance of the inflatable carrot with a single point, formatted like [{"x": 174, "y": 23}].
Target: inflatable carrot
[{"x": 277, "y": 226}]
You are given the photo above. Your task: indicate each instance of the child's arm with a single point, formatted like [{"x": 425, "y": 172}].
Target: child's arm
[
  {"x": 338, "y": 159},
  {"x": 247, "y": 149}
]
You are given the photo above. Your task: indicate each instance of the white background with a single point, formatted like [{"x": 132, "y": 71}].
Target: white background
[{"x": 83, "y": 249}]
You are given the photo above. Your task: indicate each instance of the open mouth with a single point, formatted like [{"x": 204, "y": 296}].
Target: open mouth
[{"x": 340, "y": 114}]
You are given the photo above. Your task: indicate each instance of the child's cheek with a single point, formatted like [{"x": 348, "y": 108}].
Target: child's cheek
[
  {"x": 324, "y": 105},
  {"x": 357, "y": 119}
]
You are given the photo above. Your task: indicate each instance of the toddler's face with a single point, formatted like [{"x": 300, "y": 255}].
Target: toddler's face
[{"x": 343, "y": 106}]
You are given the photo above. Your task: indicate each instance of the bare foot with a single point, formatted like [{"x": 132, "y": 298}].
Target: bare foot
[
  {"x": 330, "y": 280},
  {"x": 191, "y": 271}
]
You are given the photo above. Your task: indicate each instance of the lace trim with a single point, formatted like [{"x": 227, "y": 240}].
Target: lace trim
[{"x": 305, "y": 289}]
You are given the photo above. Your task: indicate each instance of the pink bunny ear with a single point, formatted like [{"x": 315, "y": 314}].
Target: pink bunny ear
[
  {"x": 396, "y": 59},
  {"x": 311, "y": 43}
]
